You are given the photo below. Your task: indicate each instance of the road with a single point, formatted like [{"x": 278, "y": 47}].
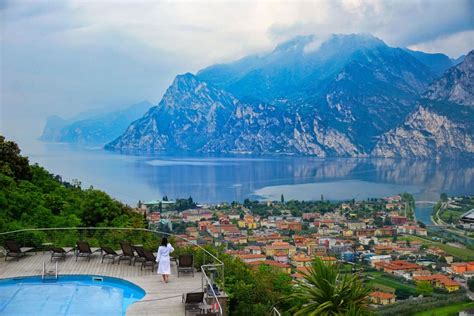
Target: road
[
  {"x": 439, "y": 222},
  {"x": 463, "y": 283}
]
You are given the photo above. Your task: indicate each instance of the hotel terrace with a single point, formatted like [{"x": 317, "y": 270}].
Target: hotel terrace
[{"x": 160, "y": 298}]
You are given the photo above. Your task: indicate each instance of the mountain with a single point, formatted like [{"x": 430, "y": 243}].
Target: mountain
[
  {"x": 92, "y": 128},
  {"x": 190, "y": 113},
  {"x": 334, "y": 98},
  {"x": 52, "y": 129},
  {"x": 438, "y": 63},
  {"x": 196, "y": 116},
  {"x": 442, "y": 124},
  {"x": 292, "y": 68}
]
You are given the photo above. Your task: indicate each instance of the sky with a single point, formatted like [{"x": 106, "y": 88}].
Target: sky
[{"x": 65, "y": 57}]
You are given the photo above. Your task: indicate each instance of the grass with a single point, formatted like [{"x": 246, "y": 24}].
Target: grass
[
  {"x": 446, "y": 214},
  {"x": 462, "y": 253},
  {"x": 380, "y": 278},
  {"x": 447, "y": 310}
]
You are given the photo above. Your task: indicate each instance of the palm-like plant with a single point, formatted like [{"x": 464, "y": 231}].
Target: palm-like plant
[{"x": 324, "y": 291}]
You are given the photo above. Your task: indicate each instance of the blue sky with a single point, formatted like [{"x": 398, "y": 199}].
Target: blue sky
[{"x": 63, "y": 57}]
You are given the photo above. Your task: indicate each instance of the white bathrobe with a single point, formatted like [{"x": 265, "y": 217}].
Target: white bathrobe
[{"x": 163, "y": 259}]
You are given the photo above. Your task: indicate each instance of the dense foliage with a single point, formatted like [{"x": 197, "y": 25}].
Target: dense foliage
[
  {"x": 252, "y": 291},
  {"x": 31, "y": 197},
  {"x": 325, "y": 291}
]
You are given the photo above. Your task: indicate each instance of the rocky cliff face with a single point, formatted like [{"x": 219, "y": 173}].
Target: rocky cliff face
[
  {"x": 442, "y": 124},
  {"x": 189, "y": 116},
  {"x": 353, "y": 96}
]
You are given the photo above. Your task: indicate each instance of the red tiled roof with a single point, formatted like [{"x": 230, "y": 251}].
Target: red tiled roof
[
  {"x": 382, "y": 295},
  {"x": 271, "y": 263},
  {"x": 251, "y": 256}
]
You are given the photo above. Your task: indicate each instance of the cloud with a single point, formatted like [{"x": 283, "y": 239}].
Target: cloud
[
  {"x": 453, "y": 44},
  {"x": 62, "y": 57}
]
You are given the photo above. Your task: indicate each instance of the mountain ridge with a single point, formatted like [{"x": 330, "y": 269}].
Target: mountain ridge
[
  {"x": 338, "y": 99},
  {"x": 442, "y": 124}
]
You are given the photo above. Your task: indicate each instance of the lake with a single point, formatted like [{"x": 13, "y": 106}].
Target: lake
[{"x": 220, "y": 178}]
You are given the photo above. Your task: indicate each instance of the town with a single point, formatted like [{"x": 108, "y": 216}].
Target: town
[{"x": 380, "y": 239}]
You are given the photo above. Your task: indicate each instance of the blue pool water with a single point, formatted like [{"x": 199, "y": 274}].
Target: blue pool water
[{"x": 69, "y": 295}]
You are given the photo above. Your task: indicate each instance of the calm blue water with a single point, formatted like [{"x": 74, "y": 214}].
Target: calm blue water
[
  {"x": 69, "y": 295},
  {"x": 220, "y": 178}
]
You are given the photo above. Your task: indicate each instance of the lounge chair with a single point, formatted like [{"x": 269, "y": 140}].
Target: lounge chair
[
  {"x": 84, "y": 250},
  {"x": 58, "y": 252},
  {"x": 192, "y": 302},
  {"x": 108, "y": 253},
  {"x": 140, "y": 254},
  {"x": 127, "y": 252},
  {"x": 186, "y": 264},
  {"x": 13, "y": 250},
  {"x": 150, "y": 260}
]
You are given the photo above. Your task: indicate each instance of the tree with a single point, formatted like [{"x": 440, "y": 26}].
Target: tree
[
  {"x": 470, "y": 284},
  {"x": 325, "y": 291},
  {"x": 371, "y": 244},
  {"x": 11, "y": 162},
  {"x": 282, "y": 199},
  {"x": 378, "y": 222},
  {"x": 424, "y": 288},
  {"x": 443, "y": 197}
]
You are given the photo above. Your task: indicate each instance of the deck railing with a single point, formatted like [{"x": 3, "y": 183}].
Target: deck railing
[{"x": 52, "y": 235}]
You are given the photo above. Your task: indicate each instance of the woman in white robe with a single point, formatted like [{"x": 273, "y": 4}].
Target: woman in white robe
[{"x": 163, "y": 259}]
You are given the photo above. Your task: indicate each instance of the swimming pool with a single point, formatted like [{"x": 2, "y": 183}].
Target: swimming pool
[{"x": 68, "y": 295}]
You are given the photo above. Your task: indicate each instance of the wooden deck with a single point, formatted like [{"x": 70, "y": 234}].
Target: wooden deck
[{"x": 160, "y": 298}]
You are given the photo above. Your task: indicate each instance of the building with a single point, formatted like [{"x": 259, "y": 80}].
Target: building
[
  {"x": 397, "y": 266},
  {"x": 394, "y": 198},
  {"x": 192, "y": 231},
  {"x": 158, "y": 205},
  {"x": 398, "y": 220},
  {"x": 467, "y": 219},
  {"x": 196, "y": 215},
  {"x": 248, "y": 258},
  {"x": 281, "y": 267},
  {"x": 383, "y": 250},
  {"x": 279, "y": 246},
  {"x": 230, "y": 231},
  {"x": 247, "y": 222},
  {"x": 439, "y": 280},
  {"x": 348, "y": 256},
  {"x": 281, "y": 257},
  {"x": 462, "y": 267},
  {"x": 253, "y": 249},
  {"x": 356, "y": 225},
  {"x": 310, "y": 216},
  {"x": 382, "y": 298},
  {"x": 286, "y": 225},
  {"x": 300, "y": 260}
]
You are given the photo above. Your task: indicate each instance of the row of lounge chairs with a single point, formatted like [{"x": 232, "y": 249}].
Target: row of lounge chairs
[{"x": 130, "y": 253}]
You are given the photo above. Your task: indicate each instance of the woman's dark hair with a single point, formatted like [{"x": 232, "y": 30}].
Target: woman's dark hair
[{"x": 164, "y": 241}]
